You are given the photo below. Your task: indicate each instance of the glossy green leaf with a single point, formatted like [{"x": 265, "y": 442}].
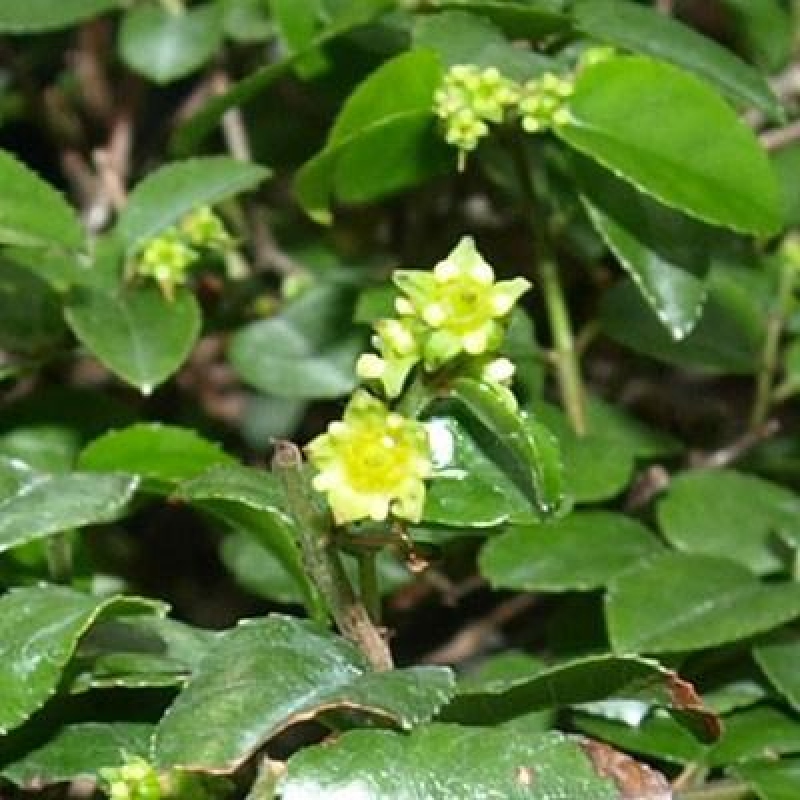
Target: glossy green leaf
[
  {"x": 779, "y": 660},
  {"x": 755, "y": 734},
  {"x": 39, "y": 630},
  {"x": 171, "y": 191},
  {"x": 461, "y": 38},
  {"x": 763, "y": 29},
  {"x": 163, "y": 454},
  {"x": 138, "y": 334},
  {"x": 77, "y": 751},
  {"x": 58, "y": 503},
  {"x": 33, "y": 16},
  {"x": 730, "y": 514},
  {"x": 32, "y": 212},
  {"x": 252, "y": 502},
  {"x": 677, "y": 602},
  {"x": 309, "y": 670},
  {"x": 164, "y": 46},
  {"x": 772, "y": 780},
  {"x": 522, "y": 443},
  {"x": 666, "y": 254},
  {"x": 444, "y": 762},
  {"x": 309, "y": 350},
  {"x": 728, "y": 338},
  {"x": 649, "y": 32},
  {"x": 519, "y": 18},
  {"x": 614, "y": 424},
  {"x": 382, "y": 141},
  {"x": 581, "y": 551},
  {"x": 670, "y": 135}
]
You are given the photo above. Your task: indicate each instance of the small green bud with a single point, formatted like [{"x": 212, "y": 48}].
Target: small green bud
[
  {"x": 135, "y": 780},
  {"x": 204, "y": 229},
  {"x": 542, "y": 102},
  {"x": 167, "y": 259}
]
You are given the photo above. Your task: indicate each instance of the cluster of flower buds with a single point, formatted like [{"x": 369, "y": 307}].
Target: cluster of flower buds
[
  {"x": 471, "y": 99},
  {"x": 374, "y": 462},
  {"x": 169, "y": 257},
  {"x": 135, "y": 780}
]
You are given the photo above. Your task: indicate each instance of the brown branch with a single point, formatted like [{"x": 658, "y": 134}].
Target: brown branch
[{"x": 779, "y": 138}]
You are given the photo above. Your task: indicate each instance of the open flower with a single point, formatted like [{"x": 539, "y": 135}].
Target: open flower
[
  {"x": 460, "y": 303},
  {"x": 371, "y": 463}
]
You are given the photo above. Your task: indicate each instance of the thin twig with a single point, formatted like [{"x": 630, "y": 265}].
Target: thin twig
[
  {"x": 731, "y": 453},
  {"x": 779, "y": 138}
]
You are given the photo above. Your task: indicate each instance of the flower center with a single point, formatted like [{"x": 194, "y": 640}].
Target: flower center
[
  {"x": 376, "y": 461},
  {"x": 466, "y": 306}
]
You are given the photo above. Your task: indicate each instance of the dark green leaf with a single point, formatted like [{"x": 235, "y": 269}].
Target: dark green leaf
[
  {"x": 786, "y": 163},
  {"x": 779, "y": 660},
  {"x": 33, "y": 16},
  {"x": 309, "y": 669},
  {"x": 649, "y": 32},
  {"x": 755, "y": 734},
  {"x": 440, "y": 762},
  {"x": 136, "y": 333},
  {"x": 308, "y": 351},
  {"x": 165, "y": 195},
  {"x": 678, "y": 602},
  {"x": 518, "y": 18},
  {"x": 671, "y": 136},
  {"x": 764, "y": 29},
  {"x": 382, "y": 140},
  {"x": 58, "y": 503},
  {"x": 32, "y": 212},
  {"x": 163, "y": 45},
  {"x": 164, "y": 454},
  {"x": 584, "y": 550},
  {"x": 730, "y": 514},
  {"x": 772, "y": 780}
]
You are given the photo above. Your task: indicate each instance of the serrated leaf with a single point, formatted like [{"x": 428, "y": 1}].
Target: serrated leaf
[
  {"x": 778, "y": 660},
  {"x": 649, "y": 32},
  {"x": 700, "y": 602},
  {"x": 137, "y": 333},
  {"x": 77, "y": 751},
  {"x": 309, "y": 350},
  {"x": 34, "y": 16},
  {"x": 162, "y": 454},
  {"x": 309, "y": 669},
  {"x": 666, "y": 254},
  {"x": 652, "y": 123},
  {"x": 171, "y": 191},
  {"x": 382, "y": 141},
  {"x": 581, "y": 551},
  {"x": 33, "y": 213},
  {"x": 730, "y": 514},
  {"x": 39, "y": 630},
  {"x": 163, "y": 45},
  {"x": 56, "y": 503},
  {"x": 443, "y": 762}
]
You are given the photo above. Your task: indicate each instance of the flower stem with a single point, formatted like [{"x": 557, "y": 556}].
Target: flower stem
[
  {"x": 323, "y": 561},
  {"x": 368, "y": 583}
]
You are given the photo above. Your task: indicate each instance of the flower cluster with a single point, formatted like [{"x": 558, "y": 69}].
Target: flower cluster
[
  {"x": 169, "y": 256},
  {"x": 136, "y": 780},
  {"x": 373, "y": 463},
  {"x": 471, "y": 99}
]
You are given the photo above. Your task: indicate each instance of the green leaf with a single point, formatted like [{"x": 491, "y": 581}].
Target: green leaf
[
  {"x": 137, "y": 333},
  {"x": 164, "y": 46},
  {"x": 170, "y": 192},
  {"x": 772, "y": 780},
  {"x": 440, "y": 762},
  {"x": 58, "y": 503},
  {"x": 670, "y": 135},
  {"x": 649, "y": 32},
  {"x": 30, "y": 312},
  {"x": 162, "y": 454},
  {"x": 461, "y": 38},
  {"x": 754, "y": 734},
  {"x": 33, "y": 16},
  {"x": 382, "y": 141},
  {"x": 728, "y": 338},
  {"x": 729, "y": 514},
  {"x": 524, "y": 444},
  {"x": 678, "y": 602},
  {"x": 247, "y": 21},
  {"x": 33, "y": 213},
  {"x": 521, "y": 19},
  {"x": 309, "y": 669},
  {"x": 764, "y": 31},
  {"x": 615, "y": 425},
  {"x": 581, "y": 551},
  {"x": 309, "y": 350},
  {"x": 778, "y": 661},
  {"x": 77, "y": 751},
  {"x": 666, "y": 254},
  {"x": 39, "y": 630},
  {"x": 251, "y": 502}
]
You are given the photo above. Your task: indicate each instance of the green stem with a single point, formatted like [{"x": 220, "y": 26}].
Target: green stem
[
  {"x": 416, "y": 398},
  {"x": 717, "y": 791},
  {"x": 770, "y": 357},
  {"x": 322, "y": 558},
  {"x": 59, "y": 558},
  {"x": 368, "y": 583}
]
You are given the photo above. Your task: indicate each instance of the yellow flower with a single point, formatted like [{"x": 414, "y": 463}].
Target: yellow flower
[
  {"x": 399, "y": 343},
  {"x": 460, "y": 303},
  {"x": 167, "y": 259},
  {"x": 372, "y": 463}
]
